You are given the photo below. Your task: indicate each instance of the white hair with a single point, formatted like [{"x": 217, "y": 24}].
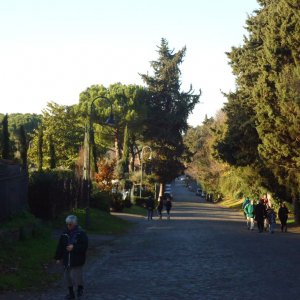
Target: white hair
[{"x": 71, "y": 219}]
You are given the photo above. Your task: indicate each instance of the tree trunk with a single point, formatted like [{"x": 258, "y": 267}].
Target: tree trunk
[
  {"x": 117, "y": 144},
  {"x": 132, "y": 161},
  {"x": 296, "y": 208},
  {"x": 161, "y": 189}
]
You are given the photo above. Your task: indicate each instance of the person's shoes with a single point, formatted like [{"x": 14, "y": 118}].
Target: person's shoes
[
  {"x": 71, "y": 294},
  {"x": 80, "y": 291}
]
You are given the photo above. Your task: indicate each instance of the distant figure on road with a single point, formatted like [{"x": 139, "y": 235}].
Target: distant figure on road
[
  {"x": 245, "y": 203},
  {"x": 283, "y": 213},
  {"x": 150, "y": 207},
  {"x": 160, "y": 207},
  {"x": 271, "y": 216},
  {"x": 168, "y": 206},
  {"x": 260, "y": 214},
  {"x": 249, "y": 211},
  {"x": 71, "y": 251}
]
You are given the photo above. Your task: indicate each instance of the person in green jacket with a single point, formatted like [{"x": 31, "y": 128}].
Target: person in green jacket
[
  {"x": 245, "y": 203},
  {"x": 249, "y": 211}
]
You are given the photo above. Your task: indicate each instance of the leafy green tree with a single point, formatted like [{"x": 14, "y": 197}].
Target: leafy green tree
[
  {"x": 127, "y": 103},
  {"x": 66, "y": 129},
  {"x": 168, "y": 110}
]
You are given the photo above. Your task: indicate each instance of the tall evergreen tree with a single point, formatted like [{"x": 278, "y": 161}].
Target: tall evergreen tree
[
  {"x": 23, "y": 147},
  {"x": 168, "y": 110},
  {"x": 40, "y": 147},
  {"x": 267, "y": 76},
  {"x": 52, "y": 155},
  {"x": 6, "y": 153}
]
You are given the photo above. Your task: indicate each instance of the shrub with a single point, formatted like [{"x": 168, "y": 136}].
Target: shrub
[
  {"x": 116, "y": 203},
  {"x": 51, "y": 192},
  {"x": 100, "y": 200}
]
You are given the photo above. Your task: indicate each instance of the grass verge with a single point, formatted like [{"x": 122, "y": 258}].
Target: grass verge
[
  {"x": 232, "y": 203},
  {"x": 100, "y": 222},
  {"x": 23, "y": 264},
  {"x": 135, "y": 210}
]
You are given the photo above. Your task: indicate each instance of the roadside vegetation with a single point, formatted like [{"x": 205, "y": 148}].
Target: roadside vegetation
[
  {"x": 27, "y": 262},
  {"x": 251, "y": 147}
]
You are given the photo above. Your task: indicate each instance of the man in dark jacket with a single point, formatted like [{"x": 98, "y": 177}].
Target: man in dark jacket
[
  {"x": 71, "y": 251},
  {"x": 150, "y": 207},
  {"x": 260, "y": 214}
]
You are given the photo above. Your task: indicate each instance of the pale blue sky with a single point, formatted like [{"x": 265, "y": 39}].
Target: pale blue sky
[{"x": 52, "y": 50}]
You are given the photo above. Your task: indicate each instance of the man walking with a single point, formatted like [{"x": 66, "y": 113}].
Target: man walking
[
  {"x": 260, "y": 214},
  {"x": 71, "y": 251},
  {"x": 150, "y": 207}
]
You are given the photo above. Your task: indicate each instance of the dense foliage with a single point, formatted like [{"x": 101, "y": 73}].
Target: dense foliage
[
  {"x": 168, "y": 110},
  {"x": 259, "y": 140}
]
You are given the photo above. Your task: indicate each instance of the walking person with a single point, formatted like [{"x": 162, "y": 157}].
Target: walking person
[
  {"x": 260, "y": 214},
  {"x": 283, "y": 214},
  {"x": 160, "y": 207},
  {"x": 168, "y": 206},
  {"x": 245, "y": 203},
  {"x": 150, "y": 207},
  {"x": 71, "y": 252},
  {"x": 271, "y": 216},
  {"x": 249, "y": 211}
]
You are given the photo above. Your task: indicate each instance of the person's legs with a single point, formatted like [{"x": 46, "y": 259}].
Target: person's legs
[
  {"x": 266, "y": 224},
  {"x": 168, "y": 212},
  {"x": 159, "y": 214},
  {"x": 260, "y": 225},
  {"x": 77, "y": 276},
  {"x": 284, "y": 225},
  {"x": 251, "y": 223},
  {"x": 248, "y": 222},
  {"x": 151, "y": 214},
  {"x": 69, "y": 283}
]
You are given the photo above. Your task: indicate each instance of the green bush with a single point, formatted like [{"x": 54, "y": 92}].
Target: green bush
[
  {"x": 100, "y": 200},
  {"x": 139, "y": 201},
  {"x": 116, "y": 202},
  {"x": 51, "y": 192}
]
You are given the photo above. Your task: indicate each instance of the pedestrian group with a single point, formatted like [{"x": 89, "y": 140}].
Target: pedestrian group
[
  {"x": 162, "y": 202},
  {"x": 264, "y": 215}
]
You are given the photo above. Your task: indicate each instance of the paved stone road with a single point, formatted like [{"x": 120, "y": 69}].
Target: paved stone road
[{"x": 203, "y": 252}]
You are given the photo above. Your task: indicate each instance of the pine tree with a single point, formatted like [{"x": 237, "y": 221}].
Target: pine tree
[{"x": 168, "y": 110}]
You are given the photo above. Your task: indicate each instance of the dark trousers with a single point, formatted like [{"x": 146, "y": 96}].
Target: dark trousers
[
  {"x": 283, "y": 222},
  {"x": 260, "y": 225},
  {"x": 150, "y": 213}
]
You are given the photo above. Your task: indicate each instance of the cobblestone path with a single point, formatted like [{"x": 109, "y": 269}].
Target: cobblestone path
[{"x": 203, "y": 252}]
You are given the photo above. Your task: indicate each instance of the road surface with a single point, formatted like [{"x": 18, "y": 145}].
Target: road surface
[{"x": 203, "y": 252}]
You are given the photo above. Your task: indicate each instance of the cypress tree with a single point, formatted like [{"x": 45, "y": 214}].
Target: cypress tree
[
  {"x": 6, "y": 153},
  {"x": 125, "y": 154},
  {"x": 52, "y": 153},
  {"x": 40, "y": 148},
  {"x": 23, "y": 147}
]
